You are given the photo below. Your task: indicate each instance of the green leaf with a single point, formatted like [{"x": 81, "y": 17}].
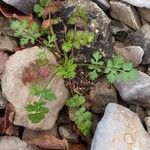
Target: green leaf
[
  {"x": 38, "y": 9},
  {"x": 43, "y": 58},
  {"x": 79, "y": 16},
  {"x": 27, "y": 33},
  {"x": 83, "y": 120},
  {"x": 117, "y": 67},
  {"x": 43, "y": 93},
  {"x": 127, "y": 66},
  {"x": 24, "y": 41},
  {"x": 66, "y": 69},
  {"x": 77, "y": 39},
  {"x": 50, "y": 40},
  {"x": 76, "y": 101},
  {"x": 96, "y": 65},
  {"x": 44, "y": 2},
  {"x": 36, "y": 111}
]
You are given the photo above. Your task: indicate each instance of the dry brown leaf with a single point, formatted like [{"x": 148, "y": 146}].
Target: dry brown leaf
[
  {"x": 76, "y": 147},
  {"x": 49, "y": 142},
  {"x": 9, "y": 13},
  {"x": 3, "y": 59},
  {"x": 6, "y": 123}
]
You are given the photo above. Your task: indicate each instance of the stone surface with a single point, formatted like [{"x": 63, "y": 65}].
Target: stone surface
[
  {"x": 133, "y": 54},
  {"x": 29, "y": 135},
  {"x": 138, "y": 110},
  {"x": 147, "y": 122},
  {"x": 7, "y": 44},
  {"x": 126, "y": 14},
  {"x": 141, "y": 38},
  {"x": 3, "y": 101},
  {"x": 19, "y": 94},
  {"x": 102, "y": 94},
  {"x": 119, "y": 30},
  {"x": 14, "y": 143},
  {"x": 24, "y": 6},
  {"x": 136, "y": 91},
  {"x": 139, "y": 3},
  {"x": 66, "y": 132},
  {"x": 104, "y": 3},
  {"x": 144, "y": 13},
  {"x": 120, "y": 129},
  {"x": 99, "y": 23},
  {"x": 3, "y": 59}
]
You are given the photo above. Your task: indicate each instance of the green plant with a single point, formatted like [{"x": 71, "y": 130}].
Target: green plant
[
  {"x": 66, "y": 69},
  {"x": 77, "y": 39},
  {"x": 96, "y": 65},
  {"x": 27, "y": 33},
  {"x": 42, "y": 92},
  {"x": 76, "y": 101},
  {"x": 50, "y": 41},
  {"x": 79, "y": 16},
  {"x": 36, "y": 111},
  {"x": 117, "y": 67},
  {"x": 83, "y": 120},
  {"x": 39, "y": 8}
]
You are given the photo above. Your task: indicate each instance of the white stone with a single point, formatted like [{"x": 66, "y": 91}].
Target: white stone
[
  {"x": 14, "y": 143},
  {"x": 19, "y": 94},
  {"x": 126, "y": 13},
  {"x": 139, "y": 3},
  {"x": 120, "y": 129},
  {"x": 105, "y": 3}
]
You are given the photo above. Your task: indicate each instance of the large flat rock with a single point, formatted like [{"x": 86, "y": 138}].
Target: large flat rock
[
  {"x": 120, "y": 129},
  {"x": 19, "y": 94}
]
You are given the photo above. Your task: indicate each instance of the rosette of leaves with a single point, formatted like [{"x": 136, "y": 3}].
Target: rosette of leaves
[
  {"x": 37, "y": 111},
  {"x": 79, "y": 17},
  {"x": 77, "y": 39},
  {"x": 76, "y": 101},
  {"x": 25, "y": 31},
  {"x": 96, "y": 65},
  {"x": 117, "y": 67},
  {"x": 67, "y": 68},
  {"x": 83, "y": 120}
]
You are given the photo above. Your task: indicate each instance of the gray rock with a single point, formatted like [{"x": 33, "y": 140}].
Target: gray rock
[
  {"x": 144, "y": 13},
  {"x": 126, "y": 14},
  {"x": 102, "y": 3},
  {"x": 148, "y": 70},
  {"x": 102, "y": 94},
  {"x": 3, "y": 101},
  {"x": 136, "y": 91},
  {"x": 139, "y": 111},
  {"x": 99, "y": 23},
  {"x": 66, "y": 132},
  {"x": 14, "y": 143},
  {"x": 139, "y": 3},
  {"x": 24, "y": 6},
  {"x": 7, "y": 43},
  {"x": 133, "y": 54},
  {"x": 120, "y": 129},
  {"x": 29, "y": 135},
  {"x": 119, "y": 30},
  {"x": 147, "y": 122},
  {"x": 19, "y": 94},
  {"x": 141, "y": 38}
]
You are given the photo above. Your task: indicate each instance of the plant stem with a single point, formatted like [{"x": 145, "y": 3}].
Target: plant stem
[{"x": 52, "y": 32}]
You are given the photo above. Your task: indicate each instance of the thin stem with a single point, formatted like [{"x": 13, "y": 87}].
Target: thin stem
[{"x": 52, "y": 32}]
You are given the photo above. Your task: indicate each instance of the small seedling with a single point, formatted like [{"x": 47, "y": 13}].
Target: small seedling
[
  {"x": 76, "y": 101},
  {"x": 117, "y": 67},
  {"x": 83, "y": 120},
  {"x": 27, "y": 33},
  {"x": 66, "y": 69},
  {"x": 96, "y": 65}
]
